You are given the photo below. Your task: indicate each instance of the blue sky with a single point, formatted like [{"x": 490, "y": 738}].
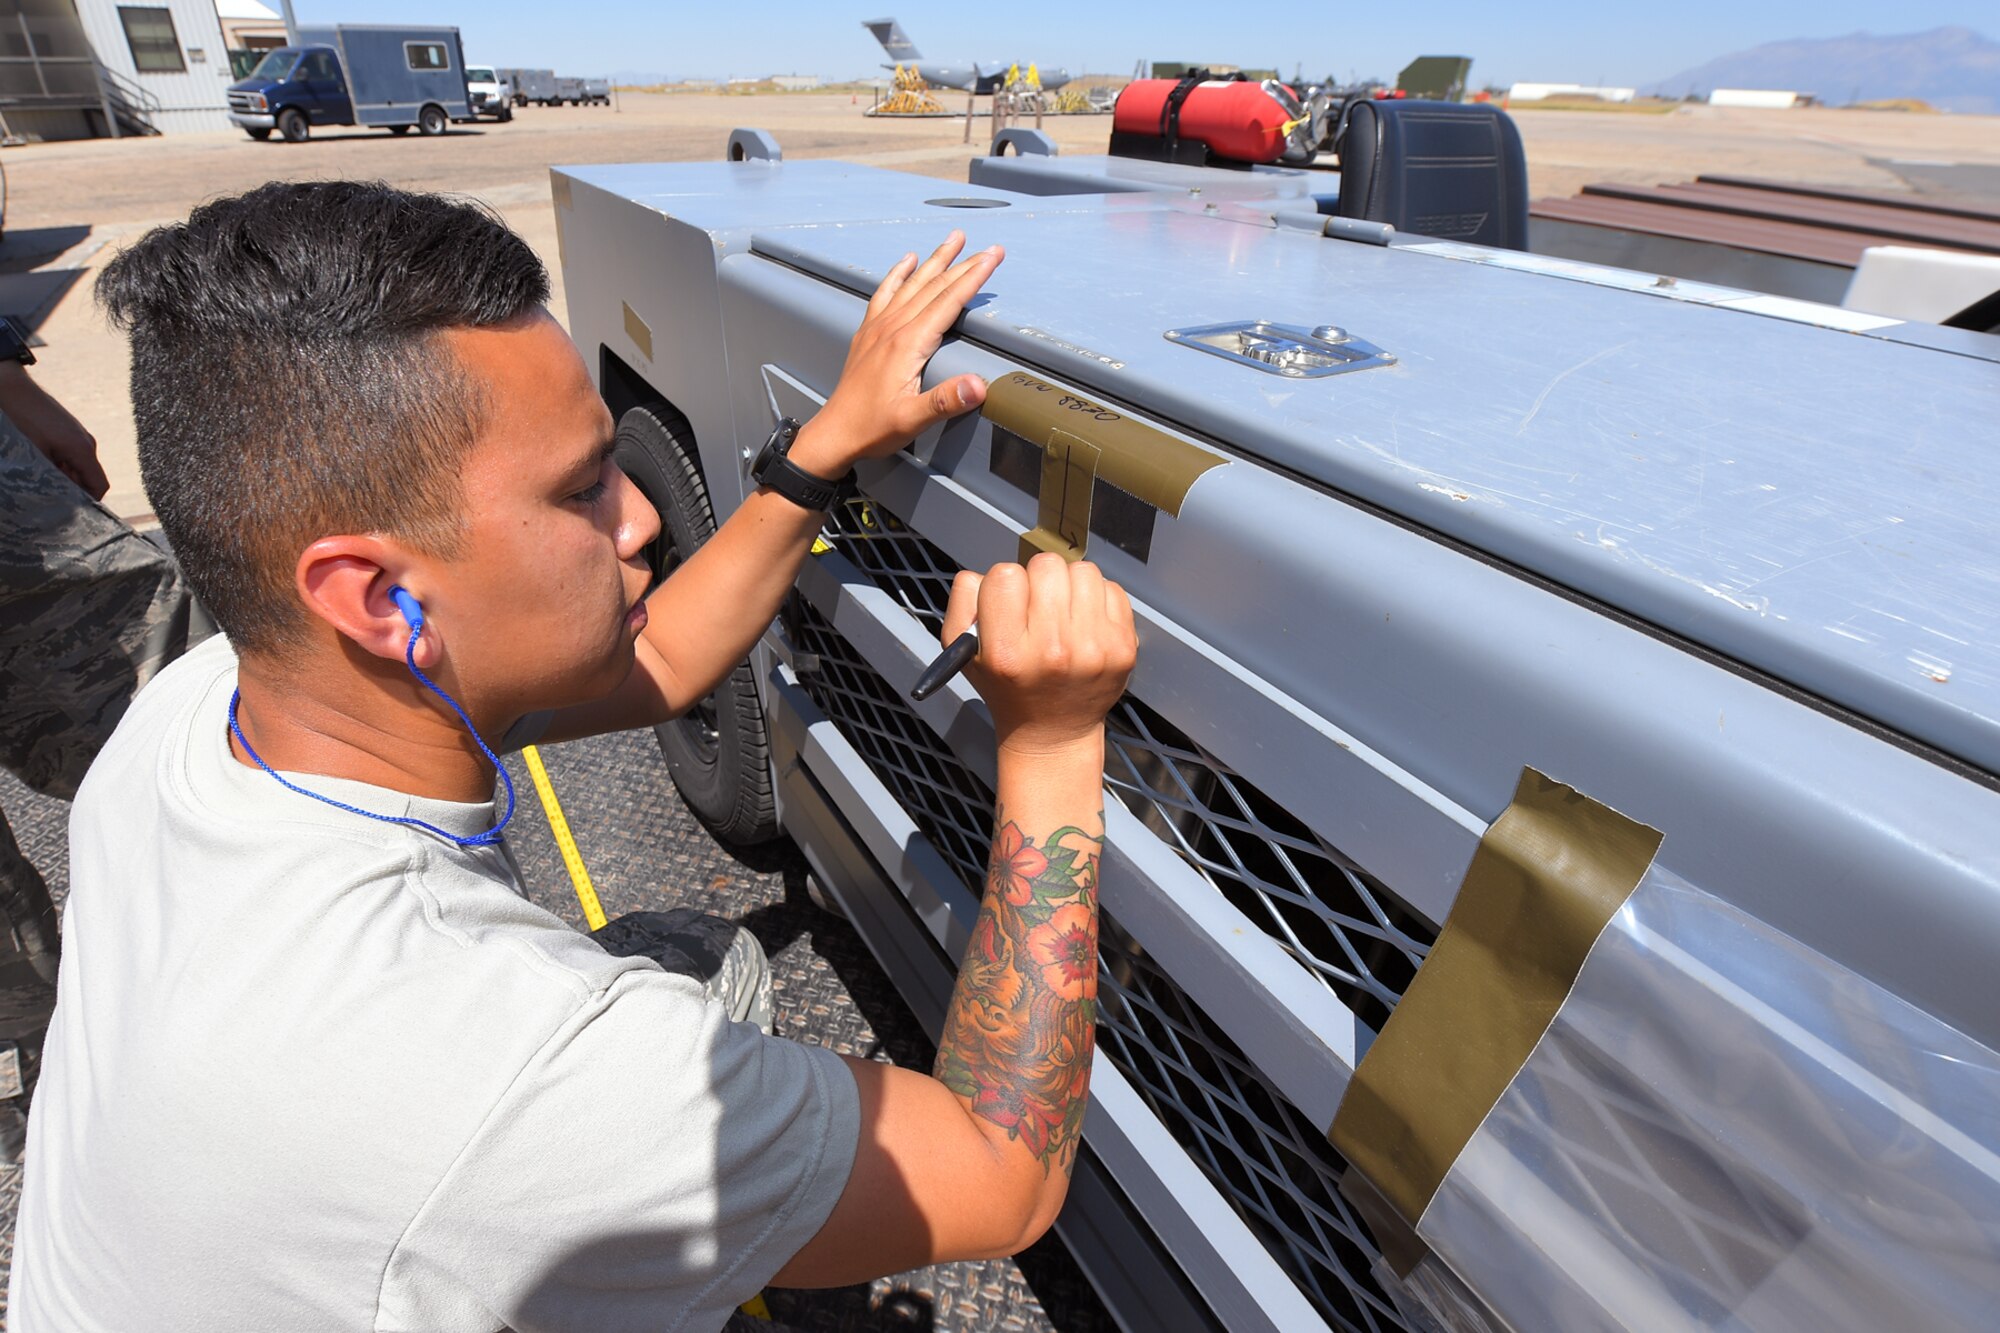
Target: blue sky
[{"x": 1565, "y": 41}]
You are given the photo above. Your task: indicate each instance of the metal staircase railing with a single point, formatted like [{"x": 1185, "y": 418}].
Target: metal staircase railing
[{"x": 128, "y": 107}]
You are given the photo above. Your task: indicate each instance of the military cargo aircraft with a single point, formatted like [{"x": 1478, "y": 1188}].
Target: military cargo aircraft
[{"x": 973, "y": 76}]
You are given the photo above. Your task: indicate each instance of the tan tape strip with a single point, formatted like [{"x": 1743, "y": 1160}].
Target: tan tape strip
[
  {"x": 1545, "y": 881},
  {"x": 1062, "y": 519},
  {"x": 1138, "y": 459},
  {"x": 640, "y": 334},
  {"x": 559, "y": 190}
]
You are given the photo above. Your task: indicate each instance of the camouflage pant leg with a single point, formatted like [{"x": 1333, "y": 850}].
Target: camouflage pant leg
[
  {"x": 29, "y": 930},
  {"x": 720, "y": 954},
  {"x": 89, "y": 612},
  {"x": 27, "y": 989}
]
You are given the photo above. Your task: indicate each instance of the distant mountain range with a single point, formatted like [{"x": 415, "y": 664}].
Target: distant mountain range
[{"x": 1954, "y": 69}]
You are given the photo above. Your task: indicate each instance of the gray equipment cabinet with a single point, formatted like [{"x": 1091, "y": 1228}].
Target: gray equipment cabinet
[
  {"x": 394, "y": 72},
  {"x": 532, "y": 85},
  {"x": 1400, "y": 520}
]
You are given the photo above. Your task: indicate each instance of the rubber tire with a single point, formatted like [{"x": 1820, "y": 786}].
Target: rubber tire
[
  {"x": 399, "y": 129},
  {"x": 259, "y": 135},
  {"x": 725, "y": 778},
  {"x": 432, "y": 121},
  {"x": 293, "y": 125},
  {"x": 506, "y": 114}
]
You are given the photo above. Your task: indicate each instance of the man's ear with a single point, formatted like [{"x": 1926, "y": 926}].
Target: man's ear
[{"x": 345, "y": 581}]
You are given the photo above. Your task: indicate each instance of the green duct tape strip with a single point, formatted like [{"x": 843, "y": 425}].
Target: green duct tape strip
[
  {"x": 1546, "y": 879},
  {"x": 1139, "y": 459}
]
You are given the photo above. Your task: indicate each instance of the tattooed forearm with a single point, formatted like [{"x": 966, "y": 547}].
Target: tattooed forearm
[{"x": 1018, "y": 1036}]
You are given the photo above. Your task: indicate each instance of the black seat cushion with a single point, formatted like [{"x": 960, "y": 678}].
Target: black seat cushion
[{"x": 1446, "y": 169}]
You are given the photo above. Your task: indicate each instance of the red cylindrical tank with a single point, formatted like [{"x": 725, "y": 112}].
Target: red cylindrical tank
[{"x": 1237, "y": 120}]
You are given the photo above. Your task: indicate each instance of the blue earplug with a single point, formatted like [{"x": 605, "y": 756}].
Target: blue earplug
[
  {"x": 413, "y": 613},
  {"x": 412, "y": 610}
]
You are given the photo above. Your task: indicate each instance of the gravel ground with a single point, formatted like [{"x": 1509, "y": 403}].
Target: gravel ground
[{"x": 644, "y": 851}]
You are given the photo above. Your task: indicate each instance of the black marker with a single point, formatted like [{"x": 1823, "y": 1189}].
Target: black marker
[{"x": 949, "y": 663}]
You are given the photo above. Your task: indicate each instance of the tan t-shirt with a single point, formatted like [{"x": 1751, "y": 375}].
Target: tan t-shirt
[{"x": 309, "y": 1070}]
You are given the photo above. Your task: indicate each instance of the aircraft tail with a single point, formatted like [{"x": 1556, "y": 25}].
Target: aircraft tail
[{"x": 890, "y": 34}]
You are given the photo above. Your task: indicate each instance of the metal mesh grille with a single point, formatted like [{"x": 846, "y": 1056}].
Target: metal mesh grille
[
  {"x": 1344, "y": 925},
  {"x": 1276, "y": 1169},
  {"x": 1341, "y": 923}
]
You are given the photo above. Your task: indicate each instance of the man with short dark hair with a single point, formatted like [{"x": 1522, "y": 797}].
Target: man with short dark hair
[{"x": 315, "y": 1061}]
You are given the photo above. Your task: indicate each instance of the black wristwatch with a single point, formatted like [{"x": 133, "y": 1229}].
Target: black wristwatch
[
  {"x": 774, "y": 469},
  {"x": 14, "y": 342}
]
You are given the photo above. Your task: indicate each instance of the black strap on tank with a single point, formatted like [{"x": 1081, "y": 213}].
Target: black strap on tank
[{"x": 1170, "y": 114}]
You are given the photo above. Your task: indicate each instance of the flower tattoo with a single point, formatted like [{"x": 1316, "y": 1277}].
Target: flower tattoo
[
  {"x": 1022, "y": 1025},
  {"x": 1065, "y": 948},
  {"x": 1015, "y": 865}
]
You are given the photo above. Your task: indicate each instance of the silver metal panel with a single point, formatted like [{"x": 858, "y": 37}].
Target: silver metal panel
[
  {"x": 1699, "y": 260},
  {"x": 1814, "y": 504},
  {"x": 1102, "y": 174},
  {"x": 724, "y": 197},
  {"x": 1367, "y": 686},
  {"x": 657, "y": 235},
  {"x": 1451, "y": 674},
  {"x": 1392, "y": 821},
  {"x": 1834, "y": 1163}
]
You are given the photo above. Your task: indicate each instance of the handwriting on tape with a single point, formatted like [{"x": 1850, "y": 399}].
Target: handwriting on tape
[{"x": 1064, "y": 399}]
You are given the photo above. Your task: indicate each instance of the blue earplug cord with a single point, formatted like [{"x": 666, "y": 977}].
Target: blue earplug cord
[{"x": 414, "y": 614}]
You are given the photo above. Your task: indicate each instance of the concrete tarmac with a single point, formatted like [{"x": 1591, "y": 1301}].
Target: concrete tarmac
[{"x": 71, "y": 206}]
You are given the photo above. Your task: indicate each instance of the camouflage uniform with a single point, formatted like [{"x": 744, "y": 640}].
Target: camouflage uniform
[
  {"x": 725, "y": 958},
  {"x": 89, "y": 612}
]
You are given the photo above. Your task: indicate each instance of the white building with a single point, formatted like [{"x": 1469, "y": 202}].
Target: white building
[
  {"x": 1767, "y": 99},
  {"x": 1541, "y": 92},
  {"x": 167, "y": 60},
  {"x": 77, "y": 69}
]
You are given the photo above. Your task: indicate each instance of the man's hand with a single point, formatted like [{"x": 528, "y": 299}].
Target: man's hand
[
  {"x": 1056, "y": 642},
  {"x": 879, "y": 405},
  {"x": 705, "y": 618},
  {"x": 51, "y": 429}
]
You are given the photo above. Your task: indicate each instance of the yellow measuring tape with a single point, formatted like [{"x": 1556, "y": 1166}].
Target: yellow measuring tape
[{"x": 586, "y": 897}]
